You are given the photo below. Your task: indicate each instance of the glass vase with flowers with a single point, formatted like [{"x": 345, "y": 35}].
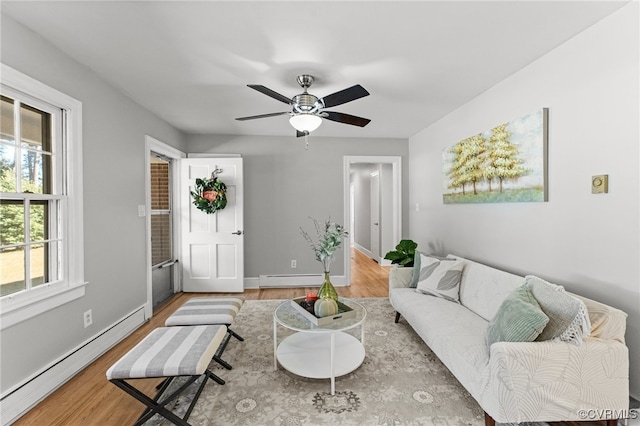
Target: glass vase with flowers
[{"x": 329, "y": 239}]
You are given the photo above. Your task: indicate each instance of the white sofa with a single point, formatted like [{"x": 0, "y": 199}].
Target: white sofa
[{"x": 517, "y": 382}]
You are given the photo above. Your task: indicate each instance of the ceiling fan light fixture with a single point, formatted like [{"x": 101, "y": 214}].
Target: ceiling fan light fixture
[{"x": 305, "y": 122}]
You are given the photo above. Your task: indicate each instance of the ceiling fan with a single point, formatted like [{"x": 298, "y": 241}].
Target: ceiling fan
[{"x": 307, "y": 110}]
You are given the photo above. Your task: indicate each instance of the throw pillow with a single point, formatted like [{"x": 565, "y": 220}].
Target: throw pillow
[
  {"x": 518, "y": 319},
  {"x": 416, "y": 266},
  {"x": 416, "y": 270},
  {"x": 568, "y": 316},
  {"x": 440, "y": 278}
]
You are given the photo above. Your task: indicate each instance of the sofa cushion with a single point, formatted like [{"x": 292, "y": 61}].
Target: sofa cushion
[
  {"x": 483, "y": 288},
  {"x": 519, "y": 319},
  {"x": 440, "y": 278},
  {"x": 416, "y": 266},
  {"x": 568, "y": 316},
  {"x": 459, "y": 343}
]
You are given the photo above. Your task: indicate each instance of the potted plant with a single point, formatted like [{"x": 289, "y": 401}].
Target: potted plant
[
  {"x": 404, "y": 253},
  {"x": 330, "y": 236}
]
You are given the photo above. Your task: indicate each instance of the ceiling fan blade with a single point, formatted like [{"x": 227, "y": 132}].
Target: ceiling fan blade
[
  {"x": 345, "y": 118},
  {"x": 347, "y": 95},
  {"x": 299, "y": 134},
  {"x": 269, "y": 92},
  {"x": 253, "y": 117}
]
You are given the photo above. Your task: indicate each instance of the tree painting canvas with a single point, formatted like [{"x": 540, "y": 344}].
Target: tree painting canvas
[{"x": 504, "y": 164}]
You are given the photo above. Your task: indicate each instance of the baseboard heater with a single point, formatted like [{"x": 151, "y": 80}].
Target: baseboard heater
[
  {"x": 297, "y": 280},
  {"x": 17, "y": 401}
]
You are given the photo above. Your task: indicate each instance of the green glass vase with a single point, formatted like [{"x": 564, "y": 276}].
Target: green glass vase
[{"x": 327, "y": 289}]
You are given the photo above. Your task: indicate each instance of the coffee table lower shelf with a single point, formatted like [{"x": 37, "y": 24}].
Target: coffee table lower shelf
[{"x": 310, "y": 355}]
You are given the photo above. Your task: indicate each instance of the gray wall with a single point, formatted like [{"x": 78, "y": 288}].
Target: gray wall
[
  {"x": 589, "y": 243},
  {"x": 114, "y": 128},
  {"x": 284, "y": 185}
]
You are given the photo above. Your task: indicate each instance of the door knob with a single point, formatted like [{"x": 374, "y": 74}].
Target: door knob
[{"x": 238, "y": 232}]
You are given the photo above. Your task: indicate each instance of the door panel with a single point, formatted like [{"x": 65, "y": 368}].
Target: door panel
[
  {"x": 212, "y": 247},
  {"x": 162, "y": 289}
]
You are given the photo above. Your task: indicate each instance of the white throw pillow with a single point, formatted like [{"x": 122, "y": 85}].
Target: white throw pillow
[{"x": 440, "y": 278}]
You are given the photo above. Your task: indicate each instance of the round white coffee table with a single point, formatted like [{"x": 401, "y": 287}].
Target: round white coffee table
[{"x": 318, "y": 352}]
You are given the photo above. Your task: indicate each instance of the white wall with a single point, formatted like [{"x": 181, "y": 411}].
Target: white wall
[
  {"x": 362, "y": 205},
  {"x": 284, "y": 185},
  {"x": 114, "y": 129},
  {"x": 589, "y": 243},
  {"x": 386, "y": 210}
]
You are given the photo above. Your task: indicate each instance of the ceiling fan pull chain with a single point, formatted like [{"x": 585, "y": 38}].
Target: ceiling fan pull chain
[{"x": 306, "y": 141}]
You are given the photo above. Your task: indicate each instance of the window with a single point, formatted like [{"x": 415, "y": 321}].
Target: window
[{"x": 40, "y": 198}]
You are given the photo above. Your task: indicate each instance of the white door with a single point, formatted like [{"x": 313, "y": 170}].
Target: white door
[
  {"x": 375, "y": 216},
  {"x": 212, "y": 244}
]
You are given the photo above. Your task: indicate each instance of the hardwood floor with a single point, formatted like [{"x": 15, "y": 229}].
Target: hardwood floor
[{"x": 89, "y": 399}]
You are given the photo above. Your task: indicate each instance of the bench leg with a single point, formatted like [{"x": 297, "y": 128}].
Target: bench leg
[
  {"x": 214, "y": 377},
  {"x": 153, "y": 406},
  {"x": 234, "y": 334},
  {"x": 218, "y": 356},
  {"x": 397, "y": 317}
]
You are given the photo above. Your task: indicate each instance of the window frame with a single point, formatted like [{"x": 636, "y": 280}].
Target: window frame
[{"x": 23, "y": 305}]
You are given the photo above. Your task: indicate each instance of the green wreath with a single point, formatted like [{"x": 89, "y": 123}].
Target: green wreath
[{"x": 210, "y": 195}]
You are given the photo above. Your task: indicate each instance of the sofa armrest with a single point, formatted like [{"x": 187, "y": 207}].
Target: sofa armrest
[
  {"x": 554, "y": 381},
  {"x": 400, "y": 277}
]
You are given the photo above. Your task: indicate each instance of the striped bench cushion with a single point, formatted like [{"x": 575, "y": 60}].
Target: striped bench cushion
[
  {"x": 170, "y": 351},
  {"x": 206, "y": 310}
]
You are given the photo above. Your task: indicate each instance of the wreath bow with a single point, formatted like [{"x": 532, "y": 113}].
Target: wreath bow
[{"x": 210, "y": 195}]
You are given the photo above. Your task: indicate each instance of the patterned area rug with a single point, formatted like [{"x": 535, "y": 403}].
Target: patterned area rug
[{"x": 401, "y": 382}]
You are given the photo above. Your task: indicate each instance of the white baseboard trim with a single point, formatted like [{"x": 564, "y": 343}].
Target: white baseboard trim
[
  {"x": 301, "y": 280},
  {"x": 251, "y": 283},
  {"x": 21, "y": 398},
  {"x": 363, "y": 250}
]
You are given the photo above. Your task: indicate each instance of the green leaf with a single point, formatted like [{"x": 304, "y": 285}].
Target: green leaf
[{"x": 404, "y": 253}]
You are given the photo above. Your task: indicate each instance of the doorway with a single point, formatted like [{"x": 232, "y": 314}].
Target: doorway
[
  {"x": 160, "y": 209},
  {"x": 373, "y": 205},
  {"x": 161, "y": 217}
]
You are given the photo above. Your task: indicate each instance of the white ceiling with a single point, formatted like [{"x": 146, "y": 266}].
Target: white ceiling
[{"x": 189, "y": 61}]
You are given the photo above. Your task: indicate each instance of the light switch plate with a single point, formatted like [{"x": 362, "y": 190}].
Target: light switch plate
[{"x": 600, "y": 184}]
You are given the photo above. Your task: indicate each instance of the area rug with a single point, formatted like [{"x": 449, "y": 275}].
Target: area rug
[{"x": 401, "y": 382}]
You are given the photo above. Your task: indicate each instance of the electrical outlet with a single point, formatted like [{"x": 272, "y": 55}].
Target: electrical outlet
[
  {"x": 88, "y": 318},
  {"x": 294, "y": 264}
]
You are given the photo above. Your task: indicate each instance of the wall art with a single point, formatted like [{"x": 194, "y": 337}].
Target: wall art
[{"x": 507, "y": 163}]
